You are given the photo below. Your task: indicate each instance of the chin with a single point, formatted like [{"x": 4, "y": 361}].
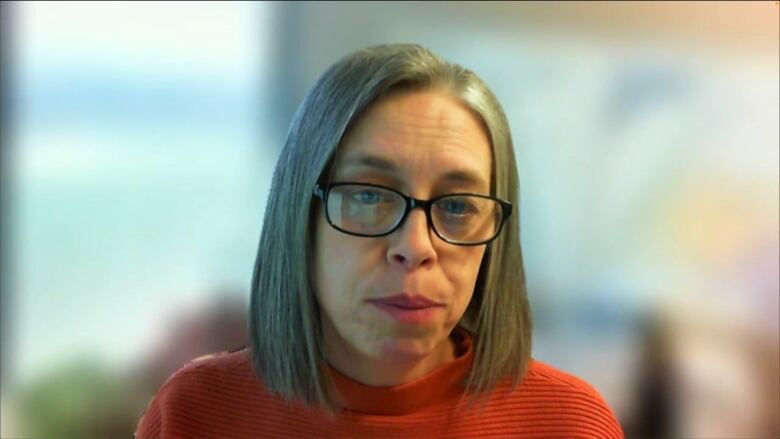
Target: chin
[{"x": 408, "y": 349}]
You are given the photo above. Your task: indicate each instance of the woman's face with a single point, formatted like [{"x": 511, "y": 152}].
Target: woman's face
[{"x": 423, "y": 144}]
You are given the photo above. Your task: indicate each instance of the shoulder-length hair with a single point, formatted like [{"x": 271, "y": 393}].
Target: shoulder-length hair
[{"x": 284, "y": 318}]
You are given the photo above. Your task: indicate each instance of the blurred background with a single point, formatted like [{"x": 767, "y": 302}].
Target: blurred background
[{"x": 139, "y": 140}]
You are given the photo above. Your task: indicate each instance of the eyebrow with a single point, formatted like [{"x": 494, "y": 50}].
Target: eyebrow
[{"x": 386, "y": 165}]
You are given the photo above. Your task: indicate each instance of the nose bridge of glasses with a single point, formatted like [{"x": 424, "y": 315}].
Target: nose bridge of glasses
[{"x": 414, "y": 203}]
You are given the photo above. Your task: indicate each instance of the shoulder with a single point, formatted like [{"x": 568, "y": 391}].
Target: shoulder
[
  {"x": 200, "y": 389},
  {"x": 221, "y": 372},
  {"x": 563, "y": 404},
  {"x": 556, "y": 380}
]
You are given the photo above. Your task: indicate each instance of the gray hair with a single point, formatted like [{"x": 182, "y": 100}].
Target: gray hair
[{"x": 284, "y": 316}]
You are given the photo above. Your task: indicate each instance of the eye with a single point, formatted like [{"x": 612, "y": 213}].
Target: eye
[
  {"x": 456, "y": 206},
  {"x": 367, "y": 196}
]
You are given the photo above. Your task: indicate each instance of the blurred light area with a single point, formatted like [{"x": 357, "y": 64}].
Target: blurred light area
[
  {"x": 647, "y": 143},
  {"x": 197, "y": 40},
  {"x": 140, "y": 174}
]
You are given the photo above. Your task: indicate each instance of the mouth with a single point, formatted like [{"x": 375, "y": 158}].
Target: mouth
[{"x": 408, "y": 308}]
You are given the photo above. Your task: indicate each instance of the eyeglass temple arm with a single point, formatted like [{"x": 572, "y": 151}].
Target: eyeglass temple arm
[
  {"x": 318, "y": 191},
  {"x": 508, "y": 208}
]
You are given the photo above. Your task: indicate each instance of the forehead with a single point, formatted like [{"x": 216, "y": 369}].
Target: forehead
[{"x": 416, "y": 134}]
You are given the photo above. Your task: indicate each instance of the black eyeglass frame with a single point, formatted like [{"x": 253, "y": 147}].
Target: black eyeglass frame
[{"x": 322, "y": 193}]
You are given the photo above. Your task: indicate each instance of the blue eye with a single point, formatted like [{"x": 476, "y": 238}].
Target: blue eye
[
  {"x": 456, "y": 207},
  {"x": 367, "y": 196}
]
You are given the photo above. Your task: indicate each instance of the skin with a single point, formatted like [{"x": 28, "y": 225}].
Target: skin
[{"x": 431, "y": 143}]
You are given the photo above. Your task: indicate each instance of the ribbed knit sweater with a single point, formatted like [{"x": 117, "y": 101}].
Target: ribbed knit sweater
[{"x": 221, "y": 397}]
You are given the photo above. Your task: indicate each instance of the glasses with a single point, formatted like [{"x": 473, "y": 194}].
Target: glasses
[{"x": 372, "y": 210}]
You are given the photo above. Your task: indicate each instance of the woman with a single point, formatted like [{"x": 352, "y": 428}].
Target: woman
[{"x": 388, "y": 298}]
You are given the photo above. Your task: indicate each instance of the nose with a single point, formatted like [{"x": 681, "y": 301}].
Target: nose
[{"x": 412, "y": 244}]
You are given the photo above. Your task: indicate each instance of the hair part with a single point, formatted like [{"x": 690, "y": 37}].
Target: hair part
[{"x": 284, "y": 318}]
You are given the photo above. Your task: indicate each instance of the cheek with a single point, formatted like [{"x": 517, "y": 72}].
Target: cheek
[
  {"x": 463, "y": 272},
  {"x": 342, "y": 264}
]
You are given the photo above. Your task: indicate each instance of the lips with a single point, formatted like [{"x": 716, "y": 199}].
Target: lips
[
  {"x": 409, "y": 309},
  {"x": 407, "y": 301}
]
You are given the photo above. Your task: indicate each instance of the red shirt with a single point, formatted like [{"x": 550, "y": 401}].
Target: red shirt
[{"x": 221, "y": 397}]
